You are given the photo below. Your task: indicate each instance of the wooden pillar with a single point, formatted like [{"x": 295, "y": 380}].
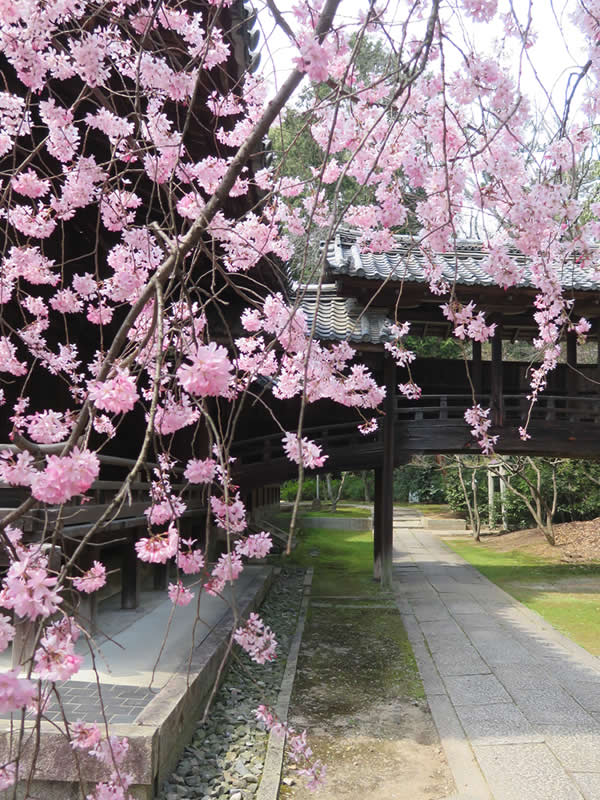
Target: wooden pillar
[
  {"x": 571, "y": 363},
  {"x": 129, "y": 575},
  {"x": 387, "y": 487},
  {"x": 160, "y": 577},
  {"x": 377, "y": 523},
  {"x": 597, "y": 329},
  {"x": 496, "y": 383},
  {"x": 476, "y": 367}
]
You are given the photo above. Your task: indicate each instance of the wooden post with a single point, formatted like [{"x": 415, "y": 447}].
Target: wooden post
[
  {"x": 129, "y": 575},
  {"x": 160, "y": 577},
  {"x": 476, "y": 368},
  {"x": 387, "y": 488},
  {"x": 496, "y": 387},
  {"x": 597, "y": 375},
  {"x": 571, "y": 362},
  {"x": 377, "y": 523}
]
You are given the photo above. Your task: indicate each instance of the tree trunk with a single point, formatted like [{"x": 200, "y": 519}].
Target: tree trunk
[
  {"x": 465, "y": 491},
  {"x": 364, "y": 476},
  {"x": 334, "y": 499},
  {"x": 548, "y": 530}
]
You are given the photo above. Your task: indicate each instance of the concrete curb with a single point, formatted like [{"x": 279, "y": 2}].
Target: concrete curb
[{"x": 271, "y": 777}]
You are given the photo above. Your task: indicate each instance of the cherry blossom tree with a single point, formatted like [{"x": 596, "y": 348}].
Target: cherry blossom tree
[{"x": 145, "y": 237}]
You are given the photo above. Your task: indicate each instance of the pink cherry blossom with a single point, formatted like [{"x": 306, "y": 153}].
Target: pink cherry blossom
[
  {"x": 256, "y": 639},
  {"x": 200, "y": 471},
  {"x": 226, "y": 570},
  {"x": 55, "y": 658},
  {"x": 48, "y": 427},
  {"x": 370, "y": 426},
  {"x": 28, "y": 184},
  {"x": 209, "y": 373},
  {"x": 229, "y": 516},
  {"x": 15, "y": 692},
  {"x": 115, "y": 209},
  {"x": 478, "y": 419},
  {"x": 159, "y": 548},
  {"x": 179, "y": 595},
  {"x": 92, "y": 580},
  {"x": 8, "y": 774},
  {"x": 17, "y": 469},
  {"x": 117, "y": 394},
  {"x": 190, "y": 561},
  {"x": 65, "y": 476},
  {"x": 84, "y": 736},
  {"x": 308, "y": 453},
  {"x": 256, "y": 545},
  {"x": 7, "y": 632}
]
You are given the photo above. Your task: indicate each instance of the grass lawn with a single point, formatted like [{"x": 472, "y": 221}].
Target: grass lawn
[
  {"x": 342, "y": 561},
  {"x": 566, "y": 595},
  {"x": 342, "y": 511}
]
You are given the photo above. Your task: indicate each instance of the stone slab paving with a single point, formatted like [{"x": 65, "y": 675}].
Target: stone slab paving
[
  {"x": 137, "y": 653},
  {"x": 516, "y": 703}
]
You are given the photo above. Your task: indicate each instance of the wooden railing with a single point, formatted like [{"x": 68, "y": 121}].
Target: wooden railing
[
  {"x": 445, "y": 409},
  {"x": 329, "y": 437},
  {"x": 582, "y": 409},
  {"x": 125, "y": 524}
]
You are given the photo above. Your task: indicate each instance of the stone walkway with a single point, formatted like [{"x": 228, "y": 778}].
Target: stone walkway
[
  {"x": 137, "y": 652},
  {"x": 516, "y": 703}
]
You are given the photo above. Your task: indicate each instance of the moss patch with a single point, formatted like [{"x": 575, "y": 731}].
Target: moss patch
[
  {"x": 342, "y": 512},
  {"x": 342, "y": 560},
  {"x": 357, "y": 654},
  {"x": 357, "y": 689}
]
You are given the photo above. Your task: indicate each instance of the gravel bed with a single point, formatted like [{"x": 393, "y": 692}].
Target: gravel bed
[{"x": 225, "y": 759}]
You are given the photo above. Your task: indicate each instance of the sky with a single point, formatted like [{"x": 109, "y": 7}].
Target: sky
[{"x": 552, "y": 58}]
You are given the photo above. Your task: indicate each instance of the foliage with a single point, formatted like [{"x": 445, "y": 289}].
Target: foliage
[
  {"x": 578, "y": 496},
  {"x": 434, "y": 347},
  {"x": 422, "y": 480}
]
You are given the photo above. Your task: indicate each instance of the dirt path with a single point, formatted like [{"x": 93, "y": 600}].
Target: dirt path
[{"x": 358, "y": 693}]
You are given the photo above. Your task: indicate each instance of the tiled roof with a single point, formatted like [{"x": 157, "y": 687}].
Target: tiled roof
[
  {"x": 341, "y": 318},
  {"x": 406, "y": 263}
]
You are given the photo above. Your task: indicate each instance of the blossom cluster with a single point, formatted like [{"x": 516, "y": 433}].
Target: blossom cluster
[
  {"x": 257, "y": 639},
  {"x": 478, "y": 420}
]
